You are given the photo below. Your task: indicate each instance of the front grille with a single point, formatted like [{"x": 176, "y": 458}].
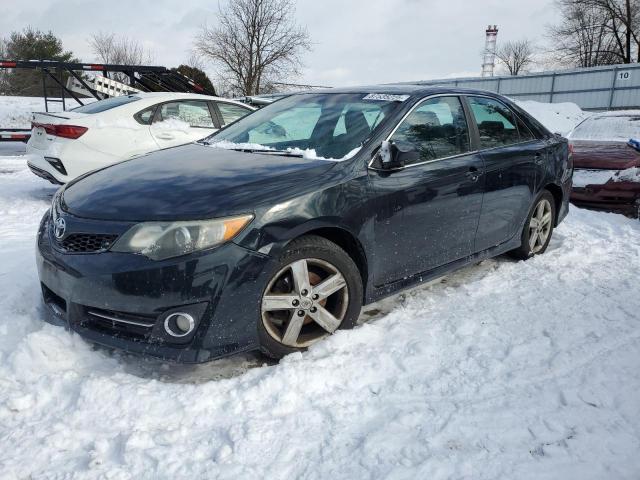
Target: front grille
[{"x": 87, "y": 242}]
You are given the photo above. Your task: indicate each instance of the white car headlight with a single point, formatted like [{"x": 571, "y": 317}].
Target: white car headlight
[{"x": 161, "y": 240}]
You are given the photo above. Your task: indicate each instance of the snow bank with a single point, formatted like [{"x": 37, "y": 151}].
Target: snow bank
[
  {"x": 15, "y": 112},
  {"x": 505, "y": 370},
  {"x": 557, "y": 117}
]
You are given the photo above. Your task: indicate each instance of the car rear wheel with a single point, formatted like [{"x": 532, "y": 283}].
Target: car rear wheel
[
  {"x": 315, "y": 290},
  {"x": 538, "y": 229}
]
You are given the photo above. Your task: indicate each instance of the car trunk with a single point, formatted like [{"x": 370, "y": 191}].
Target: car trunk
[{"x": 41, "y": 122}]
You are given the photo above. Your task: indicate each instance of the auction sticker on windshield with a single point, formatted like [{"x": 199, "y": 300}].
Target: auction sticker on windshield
[{"x": 385, "y": 97}]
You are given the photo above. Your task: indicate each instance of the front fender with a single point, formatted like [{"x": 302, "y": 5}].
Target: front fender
[{"x": 345, "y": 206}]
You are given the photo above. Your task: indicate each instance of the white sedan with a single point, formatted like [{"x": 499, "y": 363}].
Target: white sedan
[{"x": 65, "y": 145}]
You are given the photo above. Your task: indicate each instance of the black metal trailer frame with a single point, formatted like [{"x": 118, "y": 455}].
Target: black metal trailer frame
[{"x": 141, "y": 77}]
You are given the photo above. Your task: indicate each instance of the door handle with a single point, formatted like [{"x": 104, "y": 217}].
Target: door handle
[
  {"x": 165, "y": 136},
  {"x": 473, "y": 174}
]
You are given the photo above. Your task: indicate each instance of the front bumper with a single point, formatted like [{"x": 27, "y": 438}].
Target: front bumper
[{"x": 221, "y": 287}]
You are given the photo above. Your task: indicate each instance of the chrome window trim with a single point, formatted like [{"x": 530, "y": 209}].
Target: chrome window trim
[
  {"x": 239, "y": 105},
  {"x": 471, "y": 152}
]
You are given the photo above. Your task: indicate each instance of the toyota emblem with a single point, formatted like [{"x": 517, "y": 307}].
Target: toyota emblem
[{"x": 59, "y": 227}]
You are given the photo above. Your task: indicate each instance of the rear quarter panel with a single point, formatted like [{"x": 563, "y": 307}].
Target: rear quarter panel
[
  {"x": 116, "y": 133},
  {"x": 558, "y": 172}
]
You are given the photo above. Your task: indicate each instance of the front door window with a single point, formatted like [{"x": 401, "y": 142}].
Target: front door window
[{"x": 436, "y": 129}]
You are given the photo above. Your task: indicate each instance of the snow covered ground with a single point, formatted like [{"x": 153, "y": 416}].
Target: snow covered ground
[
  {"x": 526, "y": 370},
  {"x": 504, "y": 370}
]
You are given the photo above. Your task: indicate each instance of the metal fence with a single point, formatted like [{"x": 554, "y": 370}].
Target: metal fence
[{"x": 597, "y": 88}]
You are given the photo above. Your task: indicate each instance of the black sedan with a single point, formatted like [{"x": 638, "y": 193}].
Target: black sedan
[{"x": 273, "y": 233}]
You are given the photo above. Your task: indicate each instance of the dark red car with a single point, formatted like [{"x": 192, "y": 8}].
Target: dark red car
[{"x": 606, "y": 166}]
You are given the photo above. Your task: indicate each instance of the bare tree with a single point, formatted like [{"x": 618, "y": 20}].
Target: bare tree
[
  {"x": 255, "y": 43},
  {"x": 108, "y": 48},
  {"x": 623, "y": 25},
  {"x": 516, "y": 56},
  {"x": 582, "y": 38},
  {"x": 597, "y": 32}
]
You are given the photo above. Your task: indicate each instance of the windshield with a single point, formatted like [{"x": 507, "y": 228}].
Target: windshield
[
  {"x": 608, "y": 128},
  {"x": 330, "y": 126}
]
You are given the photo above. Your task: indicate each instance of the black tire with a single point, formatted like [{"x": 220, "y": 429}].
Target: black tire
[
  {"x": 525, "y": 250},
  {"x": 313, "y": 249}
]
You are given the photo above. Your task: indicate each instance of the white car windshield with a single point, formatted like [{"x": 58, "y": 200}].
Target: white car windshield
[{"x": 331, "y": 126}]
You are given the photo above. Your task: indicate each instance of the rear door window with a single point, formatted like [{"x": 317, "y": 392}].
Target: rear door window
[
  {"x": 497, "y": 124},
  {"x": 524, "y": 131},
  {"x": 195, "y": 113}
]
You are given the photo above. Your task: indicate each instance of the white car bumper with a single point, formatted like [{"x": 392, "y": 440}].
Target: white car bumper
[
  {"x": 62, "y": 160},
  {"x": 43, "y": 169}
]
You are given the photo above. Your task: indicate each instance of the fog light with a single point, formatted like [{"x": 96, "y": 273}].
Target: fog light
[{"x": 179, "y": 324}]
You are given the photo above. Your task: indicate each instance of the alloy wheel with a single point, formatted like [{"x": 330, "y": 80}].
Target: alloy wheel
[
  {"x": 540, "y": 226},
  {"x": 304, "y": 302}
]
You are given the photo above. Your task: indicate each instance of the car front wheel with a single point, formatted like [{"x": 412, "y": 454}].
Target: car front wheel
[{"x": 316, "y": 290}]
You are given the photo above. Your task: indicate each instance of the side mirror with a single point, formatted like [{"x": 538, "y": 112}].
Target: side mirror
[{"x": 393, "y": 155}]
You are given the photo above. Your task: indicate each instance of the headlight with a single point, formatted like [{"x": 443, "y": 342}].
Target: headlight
[
  {"x": 55, "y": 201},
  {"x": 160, "y": 240}
]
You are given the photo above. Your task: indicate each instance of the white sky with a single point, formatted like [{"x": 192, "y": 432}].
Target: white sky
[{"x": 355, "y": 42}]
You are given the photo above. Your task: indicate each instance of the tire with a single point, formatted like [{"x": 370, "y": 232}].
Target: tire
[
  {"x": 304, "y": 321},
  {"x": 536, "y": 240}
]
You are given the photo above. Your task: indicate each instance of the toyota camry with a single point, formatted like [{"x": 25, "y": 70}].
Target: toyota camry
[{"x": 272, "y": 233}]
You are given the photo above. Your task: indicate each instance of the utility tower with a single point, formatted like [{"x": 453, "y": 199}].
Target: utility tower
[{"x": 489, "y": 54}]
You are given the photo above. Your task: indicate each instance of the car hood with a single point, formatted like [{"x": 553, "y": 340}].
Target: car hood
[
  {"x": 191, "y": 182},
  {"x": 604, "y": 155}
]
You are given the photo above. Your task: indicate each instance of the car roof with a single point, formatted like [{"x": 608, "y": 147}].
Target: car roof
[
  {"x": 617, "y": 113},
  {"x": 413, "y": 90},
  {"x": 180, "y": 95}
]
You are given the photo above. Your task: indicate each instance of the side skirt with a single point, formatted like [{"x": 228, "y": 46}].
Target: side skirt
[{"x": 377, "y": 293}]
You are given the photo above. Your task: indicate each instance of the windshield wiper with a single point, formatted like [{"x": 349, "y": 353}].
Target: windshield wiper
[{"x": 284, "y": 153}]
